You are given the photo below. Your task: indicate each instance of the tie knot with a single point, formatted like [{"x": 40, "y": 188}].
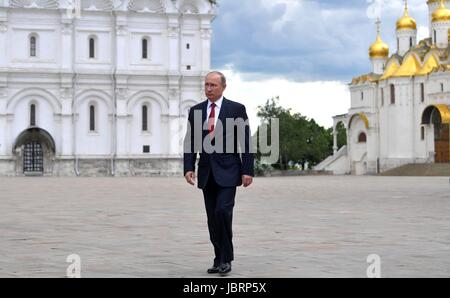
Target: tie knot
[{"x": 213, "y": 105}]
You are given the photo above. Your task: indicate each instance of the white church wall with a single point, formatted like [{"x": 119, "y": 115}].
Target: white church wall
[
  {"x": 102, "y": 55},
  {"x": 45, "y": 118},
  {"x": 47, "y": 113},
  {"x": 191, "y": 45},
  {"x": 420, "y": 150},
  {"x": 152, "y": 137},
  {"x": 41, "y": 24},
  {"x": 65, "y": 96},
  {"x": 363, "y": 96},
  {"x": 404, "y": 41},
  {"x": 401, "y": 121},
  {"x": 384, "y": 125},
  {"x": 3, "y": 135},
  {"x": 98, "y": 141},
  {"x": 157, "y": 51},
  {"x": 358, "y": 150},
  {"x": 46, "y": 55},
  {"x": 154, "y": 29},
  {"x": 372, "y": 147}
]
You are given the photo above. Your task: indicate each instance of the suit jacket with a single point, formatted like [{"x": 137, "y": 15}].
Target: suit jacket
[{"x": 227, "y": 163}]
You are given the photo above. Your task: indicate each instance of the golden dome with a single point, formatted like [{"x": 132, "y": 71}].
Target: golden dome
[
  {"x": 379, "y": 49},
  {"x": 441, "y": 14},
  {"x": 406, "y": 22}
]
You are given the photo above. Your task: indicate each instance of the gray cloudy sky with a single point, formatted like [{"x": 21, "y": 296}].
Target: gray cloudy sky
[
  {"x": 305, "y": 51},
  {"x": 303, "y": 40}
]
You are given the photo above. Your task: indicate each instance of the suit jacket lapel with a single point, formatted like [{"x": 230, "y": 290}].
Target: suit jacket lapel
[
  {"x": 204, "y": 111},
  {"x": 204, "y": 115},
  {"x": 223, "y": 113}
]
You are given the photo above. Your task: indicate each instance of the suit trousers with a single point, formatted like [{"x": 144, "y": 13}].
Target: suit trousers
[{"x": 219, "y": 203}]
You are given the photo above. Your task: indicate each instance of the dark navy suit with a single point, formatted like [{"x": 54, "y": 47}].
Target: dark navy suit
[{"x": 220, "y": 172}]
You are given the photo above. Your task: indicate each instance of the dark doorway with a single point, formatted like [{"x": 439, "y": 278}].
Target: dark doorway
[
  {"x": 35, "y": 149},
  {"x": 438, "y": 116},
  {"x": 442, "y": 143},
  {"x": 33, "y": 158}
]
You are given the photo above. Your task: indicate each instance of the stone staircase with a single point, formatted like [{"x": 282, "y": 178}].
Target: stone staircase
[{"x": 438, "y": 169}]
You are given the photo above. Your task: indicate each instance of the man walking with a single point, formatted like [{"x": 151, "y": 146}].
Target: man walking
[{"x": 223, "y": 129}]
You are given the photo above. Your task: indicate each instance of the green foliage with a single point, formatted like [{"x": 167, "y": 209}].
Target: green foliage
[
  {"x": 341, "y": 135},
  {"x": 301, "y": 140}
]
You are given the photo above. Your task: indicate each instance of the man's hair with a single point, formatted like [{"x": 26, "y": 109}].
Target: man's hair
[{"x": 223, "y": 79}]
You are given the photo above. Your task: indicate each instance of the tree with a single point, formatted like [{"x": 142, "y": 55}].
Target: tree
[
  {"x": 341, "y": 135},
  {"x": 320, "y": 143},
  {"x": 301, "y": 140}
]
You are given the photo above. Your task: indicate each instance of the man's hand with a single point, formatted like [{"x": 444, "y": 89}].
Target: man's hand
[
  {"x": 190, "y": 178},
  {"x": 247, "y": 180}
]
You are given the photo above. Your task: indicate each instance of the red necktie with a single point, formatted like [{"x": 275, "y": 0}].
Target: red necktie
[{"x": 211, "y": 120}]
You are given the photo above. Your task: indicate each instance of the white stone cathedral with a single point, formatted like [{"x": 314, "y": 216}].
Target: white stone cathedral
[
  {"x": 99, "y": 87},
  {"x": 400, "y": 112}
]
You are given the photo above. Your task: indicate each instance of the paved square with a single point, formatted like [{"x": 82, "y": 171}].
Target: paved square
[{"x": 308, "y": 226}]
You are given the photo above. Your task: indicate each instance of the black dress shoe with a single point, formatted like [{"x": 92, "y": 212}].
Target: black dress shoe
[
  {"x": 224, "y": 269},
  {"x": 213, "y": 269}
]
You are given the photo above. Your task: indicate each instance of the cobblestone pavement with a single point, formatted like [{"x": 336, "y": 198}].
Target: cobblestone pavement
[{"x": 283, "y": 227}]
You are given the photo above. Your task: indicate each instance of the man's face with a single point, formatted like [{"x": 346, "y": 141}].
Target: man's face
[{"x": 213, "y": 87}]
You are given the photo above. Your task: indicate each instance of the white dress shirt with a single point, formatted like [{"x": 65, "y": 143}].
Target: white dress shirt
[{"x": 217, "y": 110}]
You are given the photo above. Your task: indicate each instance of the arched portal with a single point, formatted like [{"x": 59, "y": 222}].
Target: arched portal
[
  {"x": 35, "y": 150},
  {"x": 439, "y": 117},
  {"x": 341, "y": 135}
]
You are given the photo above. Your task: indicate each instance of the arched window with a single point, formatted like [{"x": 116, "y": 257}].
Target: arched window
[
  {"x": 91, "y": 118},
  {"x": 92, "y": 47},
  {"x": 144, "y": 118},
  {"x": 435, "y": 39},
  {"x": 382, "y": 96},
  {"x": 362, "y": 95},
  {"x": 422, "y": 92},
  {"x": 422, "y": 133},
  {"x": 410, "y": 42},
  {"x": 362, "y": 138},
  {"x": 32, "y": 115},
  {"x": 33, "y": 45},
  {"x": 145, "y": 48},
  {"x": 392, "y": 94}
]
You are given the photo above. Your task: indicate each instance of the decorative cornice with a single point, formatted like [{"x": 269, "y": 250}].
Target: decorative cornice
[
  {"x": 173, "y": 31},
  {"x": 66, "y": 28},
  {"x": 66, "y": 93},
  {"x": 48, "y": 4},
  {"x": 3, "y": 26},
  {"x": 122, "y": 93},
  {"x": 3, "y": 92},
  {"x": 174, "y": 93},
  {"x": 152, "y": 6},
  {"x": 206, "y": 33},
  {"x": 121, "y": 29}
]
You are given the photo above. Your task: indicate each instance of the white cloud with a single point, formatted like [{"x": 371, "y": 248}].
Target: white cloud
[
  {"x": 317, "y": 100},
  {"x": 422, "y": 33},
  {"x": 292, "y": 7}
]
